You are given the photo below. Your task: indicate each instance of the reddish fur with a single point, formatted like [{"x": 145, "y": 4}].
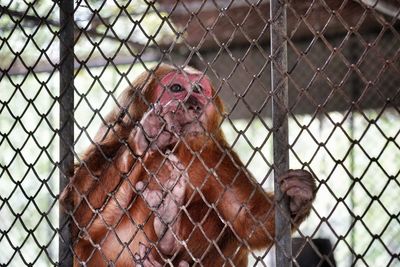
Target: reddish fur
[{"x": 242, "y": 204}]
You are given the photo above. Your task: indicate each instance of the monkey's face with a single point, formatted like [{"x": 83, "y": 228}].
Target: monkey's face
[{"x": 185, "y": 100}]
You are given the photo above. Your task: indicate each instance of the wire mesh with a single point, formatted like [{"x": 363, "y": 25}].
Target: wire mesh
[{"x": 343, "y": 112}]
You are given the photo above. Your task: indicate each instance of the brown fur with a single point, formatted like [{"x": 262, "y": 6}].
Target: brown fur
[{"x": 110, "y": 219}]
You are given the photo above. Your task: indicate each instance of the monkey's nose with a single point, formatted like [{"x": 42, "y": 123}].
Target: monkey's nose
[{"x": 192, "y": 103}]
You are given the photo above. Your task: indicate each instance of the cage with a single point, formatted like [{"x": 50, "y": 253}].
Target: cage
[{"x": 311, "y": 85}]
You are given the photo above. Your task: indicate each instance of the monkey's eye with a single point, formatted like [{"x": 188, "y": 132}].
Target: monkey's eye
[{"x": 175, "y": 88}]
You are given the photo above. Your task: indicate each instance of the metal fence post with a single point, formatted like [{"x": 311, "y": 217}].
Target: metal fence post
[
  {"x": 279, "y": 85},
  {"x": 66, "y": 121}
]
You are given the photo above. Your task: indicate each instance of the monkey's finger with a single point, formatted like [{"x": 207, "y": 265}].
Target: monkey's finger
[
  {"x": 306, "y": 185},
  {"x": 146, "y": 257},
  {"x": 157, "y": 108},
  {"x": 173, "y": 159},
  {"x": 171, "y": 106},
  {"x": 142, "y": 250},
  {"x": 295, "y": 173},
  {"x": 153, "y": 198},
  {"x": 178, "y": 191},
  {"x": 141, "y": 143},
  {"x": 140, "y": 186},
  {"x": 183, "y": 264},
  {"x": 176, "y": 163},
  {"x": 295, "y": 205},
  {"x": 138, "y": 260},
  {"x": 172, "y": 123},
  {"x": 151, "y": 124},
  {"x": 299, "y": 210},
  {"x": 163, "y": 139},
  {"x": 300, "y": 194},
  {"x": 159, "y": 227},
  {"x": 169, "y": 211}
]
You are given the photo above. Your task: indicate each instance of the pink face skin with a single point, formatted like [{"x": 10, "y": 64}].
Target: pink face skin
[
  {"x": 184, "y": 102},
  {"x": 178, "y": 86}
]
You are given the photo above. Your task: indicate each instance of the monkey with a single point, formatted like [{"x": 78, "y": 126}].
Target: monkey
[{"x": 160, "y": 185}]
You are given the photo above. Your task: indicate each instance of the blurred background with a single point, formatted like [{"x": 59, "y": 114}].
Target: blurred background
[{"x": 344, "y": 98}]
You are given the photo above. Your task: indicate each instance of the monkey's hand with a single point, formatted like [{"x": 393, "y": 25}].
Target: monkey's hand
[
  {"x": 145, "y": 258},
  {"x": 152, "y": 133},
  {"x": 300, "y": 186},
  {"x": 162, "y": 126}
]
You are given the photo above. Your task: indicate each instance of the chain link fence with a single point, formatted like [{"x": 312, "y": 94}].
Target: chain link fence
[{"x": 64, "y": 63}]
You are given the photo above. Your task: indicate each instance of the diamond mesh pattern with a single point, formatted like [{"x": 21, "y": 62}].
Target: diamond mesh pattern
[{"x": 343, "y": 76}]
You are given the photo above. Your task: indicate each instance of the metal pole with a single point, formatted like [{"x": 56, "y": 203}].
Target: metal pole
[
  {"x": 279, "y": 84},
  {"x": 66, "y": 122},
  {"x": 355, "y": 93}
]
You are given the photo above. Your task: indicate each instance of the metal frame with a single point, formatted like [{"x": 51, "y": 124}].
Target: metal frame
[
  {"x": 66, "y": 123},
  {"x": 280, "y": 101}
]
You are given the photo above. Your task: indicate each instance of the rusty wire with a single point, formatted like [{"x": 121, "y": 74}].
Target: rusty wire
[{"x": 343, "y": 81}]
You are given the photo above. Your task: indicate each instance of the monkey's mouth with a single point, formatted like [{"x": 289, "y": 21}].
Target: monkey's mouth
[
  {"x": 183, "y": 119},
  {"x": 190, "y": 125}
]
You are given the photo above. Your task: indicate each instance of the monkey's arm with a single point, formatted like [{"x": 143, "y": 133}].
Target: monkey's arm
[
  {"x": 100, "y": 189},
  {"x": 250, "y": 210}
]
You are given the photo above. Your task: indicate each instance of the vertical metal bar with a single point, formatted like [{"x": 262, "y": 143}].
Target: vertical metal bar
[
  {"x": 279, "y": 84},
  {"x": 66, "y": 122},
  {"x": 355, "y": 93}
]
